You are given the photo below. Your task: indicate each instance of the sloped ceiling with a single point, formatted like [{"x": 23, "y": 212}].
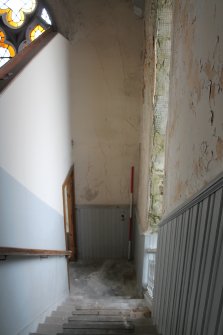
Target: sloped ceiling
[{"x": 65, "y": 13}]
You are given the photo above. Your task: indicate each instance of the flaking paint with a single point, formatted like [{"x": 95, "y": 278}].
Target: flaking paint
[{"x": 195, "y": 126}]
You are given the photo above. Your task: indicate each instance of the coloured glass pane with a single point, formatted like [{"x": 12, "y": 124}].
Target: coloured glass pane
[
  {"x": 7, "y": 51},
  {"x": 45, "y": 16},
  {"x": 13, "y": 11},
  {"x": 36, "y": 32}
]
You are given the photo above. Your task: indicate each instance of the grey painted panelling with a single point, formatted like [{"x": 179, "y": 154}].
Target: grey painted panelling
[
  {"x": 102, "y": 232},
  {"x": 189, "y": 271},
  {"x": 25, "y": 220}
]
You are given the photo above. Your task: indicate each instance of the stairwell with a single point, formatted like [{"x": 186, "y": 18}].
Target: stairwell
[
  {"x": 109, "y": 316},
  {"x": 102, "y": 301}
]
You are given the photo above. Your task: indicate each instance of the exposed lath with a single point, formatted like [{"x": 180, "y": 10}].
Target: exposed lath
[{"x": 160, "y": 107}]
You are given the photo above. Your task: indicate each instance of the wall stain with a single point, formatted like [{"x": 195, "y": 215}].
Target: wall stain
[
  {"x": 204, "y": 148},
  {"x": 179, "y": 190},
  {"x": 221, "y": 78},
  {"x": 196, "y": 168},
  {"x": 212, "y": 117},
  {"x": 216, "y": 49},
  {"x": 89, "y": 194},
  {"x": 219, "y": 148},
  {"x": 202, "y": 164},
  {"x": 210, "y": 70},
  {"x": 212, "y": 91}
]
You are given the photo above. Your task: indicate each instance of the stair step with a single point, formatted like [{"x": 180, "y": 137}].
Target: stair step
[
  {"x": 103, "y": 304},
  {"x": 61, "y": 314},
  {"x": 145, "y": 328},
  {"x": 105, "y": 311},
  {"x": 89, "y": 317},
  {"x": 98, "y": 331},
  {"x": 56, "y": 320},
  {"x": 96, "y": 318},
  {"x": 105, "y": 300},
  {"x": 102, "y": 308},
  {"x": 102, "y": 333},
  {"x": 118, "y": 333},
  {"x": 112, "y": 316},
  {"x": 98, "y": 325},
  {"x": 49, "y": 329}
]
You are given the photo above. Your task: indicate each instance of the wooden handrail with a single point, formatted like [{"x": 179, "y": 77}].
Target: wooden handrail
[{"x": 9, "y": 251}]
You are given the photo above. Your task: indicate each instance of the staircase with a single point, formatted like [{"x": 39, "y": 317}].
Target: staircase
[{"x": 111, "y": 316}]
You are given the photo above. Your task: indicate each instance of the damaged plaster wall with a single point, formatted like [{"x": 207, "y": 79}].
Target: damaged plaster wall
[
  {"x": 157, "y": 35},
  {"x": 160, "y": 108},
  {"x": 146, "y": 116},
  {"x": 195, "y": 127},
  {"x": 106, "y": 89}
]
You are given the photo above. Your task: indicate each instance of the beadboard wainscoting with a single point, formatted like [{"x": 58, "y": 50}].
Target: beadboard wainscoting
[
  {"x": 102, "y": 232},
  {"x": 189, "y": 270}
]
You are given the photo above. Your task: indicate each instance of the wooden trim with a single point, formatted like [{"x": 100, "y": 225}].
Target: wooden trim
[
  {"x": 9, "y": 71},
  {"x": 72, "y": 230},
  {"x": 9, "y": 251},
  {"x": 70, "y": 174}
]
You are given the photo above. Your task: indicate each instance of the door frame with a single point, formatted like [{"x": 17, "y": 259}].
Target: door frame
[{"x": 70, "y": 237}]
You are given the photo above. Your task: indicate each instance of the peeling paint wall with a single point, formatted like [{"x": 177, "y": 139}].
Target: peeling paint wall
[
  {"x": 157, "y": 35},
  {"x": 146, "y": 116},
  {"x": 160, "y": 108},
  {"x": 106, "y": 89},
  {"x": 195, "y": 127}
]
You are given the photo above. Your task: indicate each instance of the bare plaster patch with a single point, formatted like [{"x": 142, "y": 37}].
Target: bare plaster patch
[
  {"x": 219, "y": 148},
  {"x": 209, "y": 70},
  {"x": 221, "y": 78}
]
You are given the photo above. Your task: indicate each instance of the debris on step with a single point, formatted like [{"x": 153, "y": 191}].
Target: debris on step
[{"x": 111, "y": 316}]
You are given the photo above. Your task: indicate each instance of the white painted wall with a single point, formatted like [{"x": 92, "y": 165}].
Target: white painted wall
[
  {"x": 35, "y": 137},
  {"x": 106, "y": 89},
  {"x": 35, "y": 156},
  {"x": 195, "y": 127}
]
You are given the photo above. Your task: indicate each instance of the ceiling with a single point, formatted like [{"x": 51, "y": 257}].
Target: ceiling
[{"x": 65, "y": 13}]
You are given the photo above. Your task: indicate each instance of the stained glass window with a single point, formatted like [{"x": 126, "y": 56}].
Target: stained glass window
[
  {"x": 45, "y": 16},
  {"x": 21, "y": 22},
  {"x": 7, "y": 51},
  {"x": 36, "y": 32},
  {"x": 13, "y": 11}
]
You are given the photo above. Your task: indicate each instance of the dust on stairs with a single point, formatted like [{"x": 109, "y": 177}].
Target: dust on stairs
[{"x": 111, "y": 316}]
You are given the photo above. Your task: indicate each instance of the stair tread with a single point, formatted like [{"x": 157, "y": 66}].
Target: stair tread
[
  {"x": 105, "y": 300},
  {"x": 71, "y": 333},
  {"x": 116, "y": 316},
  {"x": 98, "y": 325},
  {"x": 98, "y": 331},
  {"x": 108, "y": 318},
  {"x": 106, "y": 311},
  {"x": 135, "y": 333}
]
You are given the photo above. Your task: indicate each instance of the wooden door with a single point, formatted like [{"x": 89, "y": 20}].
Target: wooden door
[{"x": 69, "y": 214}]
